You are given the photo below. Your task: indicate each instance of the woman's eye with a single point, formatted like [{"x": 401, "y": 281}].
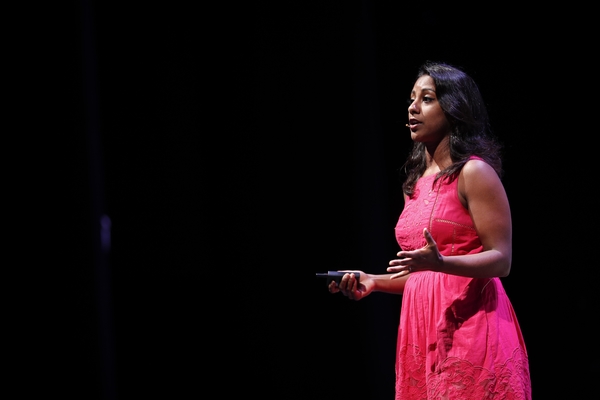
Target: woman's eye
[{"x": 427, "y": 99}]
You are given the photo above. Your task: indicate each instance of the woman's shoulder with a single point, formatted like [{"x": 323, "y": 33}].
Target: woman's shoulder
[
  {"x": 478, "y": 179},
  {"x": 476, "y": 168}
]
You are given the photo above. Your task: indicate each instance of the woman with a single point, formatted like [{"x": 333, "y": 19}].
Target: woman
[{"x": 458, "y": 336}]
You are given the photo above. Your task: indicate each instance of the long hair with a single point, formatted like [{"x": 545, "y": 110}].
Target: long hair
[{"x": 471, "y": 134}]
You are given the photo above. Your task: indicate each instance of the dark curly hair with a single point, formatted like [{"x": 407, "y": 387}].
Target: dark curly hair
[{"x": 471, "y": 135}]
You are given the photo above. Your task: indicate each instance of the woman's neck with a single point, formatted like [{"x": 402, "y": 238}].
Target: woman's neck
[{"x": 438, "y": 156}]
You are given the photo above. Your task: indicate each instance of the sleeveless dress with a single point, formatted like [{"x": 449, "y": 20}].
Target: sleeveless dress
[{"x": 458, "y": 337}]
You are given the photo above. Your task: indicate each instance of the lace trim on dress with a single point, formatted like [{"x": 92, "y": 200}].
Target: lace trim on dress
[{"x": 458, "y": 379}]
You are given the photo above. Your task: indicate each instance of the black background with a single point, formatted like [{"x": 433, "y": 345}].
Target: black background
[{"x": 239, "y": 149}]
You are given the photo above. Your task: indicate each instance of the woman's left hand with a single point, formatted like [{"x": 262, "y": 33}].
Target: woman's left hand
[{"x": 426, "y": 258}]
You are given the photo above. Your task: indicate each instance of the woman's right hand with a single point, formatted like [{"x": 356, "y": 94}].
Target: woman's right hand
[{"x": 351, "y": 287}]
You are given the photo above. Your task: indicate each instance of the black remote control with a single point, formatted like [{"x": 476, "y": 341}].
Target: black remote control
[{"x": 336, "y": 276}]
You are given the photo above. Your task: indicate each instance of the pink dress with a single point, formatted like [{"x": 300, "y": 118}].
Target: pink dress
[{"x": 458, "y": 337}]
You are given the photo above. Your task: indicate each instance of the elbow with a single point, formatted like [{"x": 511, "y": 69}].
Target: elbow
[
  {"x": 504, "y": 269},
  {"x": 504, "y": 272},
  {"x": 503, "y": 262}
]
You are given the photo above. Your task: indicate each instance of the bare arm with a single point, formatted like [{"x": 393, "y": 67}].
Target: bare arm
[{"x": 483, "y": 194}]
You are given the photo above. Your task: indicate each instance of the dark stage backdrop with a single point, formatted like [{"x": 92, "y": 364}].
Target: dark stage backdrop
[{"x": 232, "y": 152}]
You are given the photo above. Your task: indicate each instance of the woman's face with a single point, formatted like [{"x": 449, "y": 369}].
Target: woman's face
[{"x": 426, "y": 120}]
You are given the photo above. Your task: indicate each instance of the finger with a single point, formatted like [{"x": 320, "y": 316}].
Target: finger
[
  {"x": 397, "y": 268},
  {"x": 349, "y": 281},
  {"x": 352, "y": 282},
  {"x": 428, "y": 237},
  {"x": 353, "y": 294},
  {"x": 399, "y": 273},
  {"x": 399, "y": 262},
  {"x": 333, "y": 287},
  {"x": 343, "y": 285}
]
